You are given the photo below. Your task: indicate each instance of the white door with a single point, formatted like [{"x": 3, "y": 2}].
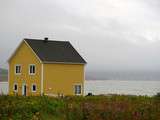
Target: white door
[{"x": 24, "y": 89}]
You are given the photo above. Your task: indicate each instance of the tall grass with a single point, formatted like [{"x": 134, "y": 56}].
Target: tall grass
[{"x": 114, "y": 107}]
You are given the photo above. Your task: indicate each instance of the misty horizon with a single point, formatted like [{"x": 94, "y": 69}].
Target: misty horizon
[
  {"x": 110, "y": 35},
  {"x": 116, "y": 75}
]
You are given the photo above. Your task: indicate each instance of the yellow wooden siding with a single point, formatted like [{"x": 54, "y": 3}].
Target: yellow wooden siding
[
  {"x": 61, "y": 78},
  {"x": 24, "y": 56}
]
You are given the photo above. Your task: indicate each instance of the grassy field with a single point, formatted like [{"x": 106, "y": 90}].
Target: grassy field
[{"x": 114, "y": 107}]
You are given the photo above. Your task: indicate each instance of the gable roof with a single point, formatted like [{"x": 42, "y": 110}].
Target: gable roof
[{"x": 55, "y": 51}]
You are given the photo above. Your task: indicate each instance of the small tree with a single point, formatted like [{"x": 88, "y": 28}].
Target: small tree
[{"x": 157, "y": 95}]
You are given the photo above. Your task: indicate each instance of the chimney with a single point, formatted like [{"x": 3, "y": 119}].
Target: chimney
[{"x": 45, "y": 39}]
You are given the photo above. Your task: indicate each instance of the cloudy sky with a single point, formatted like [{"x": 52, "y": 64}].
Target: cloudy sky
[{"x": 109, "y": 34}]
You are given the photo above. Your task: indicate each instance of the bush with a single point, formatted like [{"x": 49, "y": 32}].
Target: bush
[
  {"x": 157, "y": 95},
  {"x": 114, "y": 107}
]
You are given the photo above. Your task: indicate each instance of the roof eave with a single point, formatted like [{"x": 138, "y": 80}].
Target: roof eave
[
  {"x": 76, "y": 63},
  {"x": 41, "y": 61},
  {"x": 33, "y": 51}
]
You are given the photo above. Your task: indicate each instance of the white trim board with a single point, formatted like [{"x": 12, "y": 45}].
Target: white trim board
[
  {"x": 42, "y": 78},
  {"x": 8, "y": 79}
]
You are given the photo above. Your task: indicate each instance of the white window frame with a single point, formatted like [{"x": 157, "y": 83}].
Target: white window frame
[
  {"x": 29, "y": 69},
  {"x": 75, "y": 89},
  {"x": 32, "y": 88},
  {"x": 18, "y": 65},
  {"x": 14, "y": 87}
]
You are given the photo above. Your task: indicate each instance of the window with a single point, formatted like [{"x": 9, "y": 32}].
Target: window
[
  {"x": 78, "y": 89},
  {"x": 34, "y": 88},
  {"x": 15, "y": 87},
  {"x": 18, "y": 69},
  {"x": 32, "y": 69}
]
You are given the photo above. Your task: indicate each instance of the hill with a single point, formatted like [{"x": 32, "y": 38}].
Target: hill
[
  {"x": 3, "y": 75},
  {"x": 123, "y": 75}
]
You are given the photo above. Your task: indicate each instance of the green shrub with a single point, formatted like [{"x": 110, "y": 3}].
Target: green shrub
[
  {"x": 157, "y": 95},
  {"x": 115, "y": 107}
]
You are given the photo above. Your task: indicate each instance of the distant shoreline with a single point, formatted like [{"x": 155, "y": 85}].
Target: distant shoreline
[
  {"x": 131, "y": 87},
  {"x": 120, "y": 80}
]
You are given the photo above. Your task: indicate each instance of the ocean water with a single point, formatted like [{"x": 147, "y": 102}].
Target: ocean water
[
  {"x": 3, "y": 87},
  {"x": 97, "y": 87},
  {"x": 131, "y": 87}
]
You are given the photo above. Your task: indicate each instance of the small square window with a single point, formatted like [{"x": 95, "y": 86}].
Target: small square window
[
  {"x": 34, "y": 88},
  {"x": 18, "y": 69},
  {"x": 15, "y": 87},
  {"x": 78, "y": 89},
  {"x": 32, "y": 69}
]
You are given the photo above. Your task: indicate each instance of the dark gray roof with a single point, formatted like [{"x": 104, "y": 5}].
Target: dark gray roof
[{"x": 55, "y": 51}]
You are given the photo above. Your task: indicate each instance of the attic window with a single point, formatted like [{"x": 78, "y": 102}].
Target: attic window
[
  {"x": 18, "y": 69},
  {"x": 32, "y": 69}
]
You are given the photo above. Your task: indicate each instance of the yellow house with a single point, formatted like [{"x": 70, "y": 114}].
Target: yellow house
[{"x": 44, "y": 67}]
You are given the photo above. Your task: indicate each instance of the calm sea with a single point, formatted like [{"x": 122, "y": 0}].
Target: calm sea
[
  {"x": 97, "y": 87},
  {"x": 132, "y": 87},
  {"x": 3, "y": 87}
]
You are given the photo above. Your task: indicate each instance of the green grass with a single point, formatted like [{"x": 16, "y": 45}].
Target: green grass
[{"x": 114, "y": 107}]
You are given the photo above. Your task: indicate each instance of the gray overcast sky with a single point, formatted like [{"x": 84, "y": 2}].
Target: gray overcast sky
[{"x": 109, "y": 34}]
